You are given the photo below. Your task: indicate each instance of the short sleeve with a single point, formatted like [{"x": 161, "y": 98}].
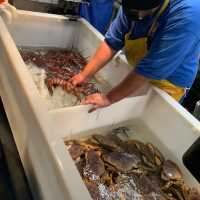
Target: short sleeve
[{"x": 115, "y": 35}]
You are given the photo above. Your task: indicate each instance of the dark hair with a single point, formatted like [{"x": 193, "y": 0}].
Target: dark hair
[{"x": 141, "y": 4}]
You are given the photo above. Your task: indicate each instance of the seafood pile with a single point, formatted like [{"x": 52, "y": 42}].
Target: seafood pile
[
  {"x": 59, "y": 66},
  {"x": 117, "y": 168}
]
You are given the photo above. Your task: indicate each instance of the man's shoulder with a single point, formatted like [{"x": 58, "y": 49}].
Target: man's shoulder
[{"x": 185, "y": 15}]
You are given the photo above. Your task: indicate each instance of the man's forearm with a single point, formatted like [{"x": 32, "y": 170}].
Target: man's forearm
[
  {"x": 129, "y": 85},
  {"x": 102, "y": 56}
]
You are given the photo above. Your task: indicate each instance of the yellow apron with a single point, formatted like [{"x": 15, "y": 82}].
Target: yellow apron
[{"x": 136, "y": 49}]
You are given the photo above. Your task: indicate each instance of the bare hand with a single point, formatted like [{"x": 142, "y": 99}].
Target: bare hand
[
  {"x": 98, "y": 100},
  {"x": 78, "y": 79}
]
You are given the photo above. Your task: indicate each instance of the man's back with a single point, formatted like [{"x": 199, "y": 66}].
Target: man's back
[
  {"x": 175, "y": 49},
  {"x": 186, "y": 14}
]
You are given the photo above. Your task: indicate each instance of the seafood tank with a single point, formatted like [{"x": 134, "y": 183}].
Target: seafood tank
[
  {"x": 117, "y": 162},
  {"x": 51, "y": 69}
]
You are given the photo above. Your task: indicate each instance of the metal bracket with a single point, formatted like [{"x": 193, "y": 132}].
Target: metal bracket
[
  {"x": 71, "y": 8},
  {"x": 72, "y": 17},
  {"x": 79, "y": 1}
]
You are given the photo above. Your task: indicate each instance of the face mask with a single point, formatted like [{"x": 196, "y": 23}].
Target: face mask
[{"x": 132, "y": 14}]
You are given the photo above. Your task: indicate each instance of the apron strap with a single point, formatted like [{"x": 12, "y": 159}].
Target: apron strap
[
  {"x": 160, "y": 12},
  {"x": 154, "y": 25}
]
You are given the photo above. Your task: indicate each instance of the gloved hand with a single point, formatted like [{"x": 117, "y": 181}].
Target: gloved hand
[{"x": 98, "y": 100}]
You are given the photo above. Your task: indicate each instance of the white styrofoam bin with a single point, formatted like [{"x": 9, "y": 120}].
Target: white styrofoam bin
[{"x": 39, "y": 133}]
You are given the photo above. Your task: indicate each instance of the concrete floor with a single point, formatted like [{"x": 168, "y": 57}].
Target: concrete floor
[
  {"x": 13, "y": 183},
  {"x": 6, "y": 189}
]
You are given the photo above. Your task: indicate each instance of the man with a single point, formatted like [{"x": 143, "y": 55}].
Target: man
[{"x": 161, "y": 37}]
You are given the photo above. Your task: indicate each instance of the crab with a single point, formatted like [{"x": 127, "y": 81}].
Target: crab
[
  {"x": 88, "y": 153},
  {"x": 109, "y": 142},
  {"x": 156, "y": 179},
  {"x": 143, "y": 184},
  {"x": 110, "y": 176},
  {"x": 172, "y": 174},
  {"x": 151, "y": 156},
  {"x": 121, "y": 168},
  {"x": 177, "y": 193},
  {"x": 183, "y": 192},
  {"x": 94, "y": 168},
  {"x": 75, "y": 150},
  {"x": 131, "y": 147},
  {"x": 158, "y": 156},
  {"x": 80, "y": 164},
  {"x": 91, "y": 144},
  {"x": 93, "y": 189},
  {"x": 149, "y": 189},
  {"x": 137, "y": 187},
  {"x": 123, "y": 162},
  {"x": 123, "y": 189},
  {"x": 194, "y": 194},
  {"x": 122, "y": 130}
]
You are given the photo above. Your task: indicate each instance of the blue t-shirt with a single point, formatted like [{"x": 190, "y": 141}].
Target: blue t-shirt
[{"x": 175, "y": 49}]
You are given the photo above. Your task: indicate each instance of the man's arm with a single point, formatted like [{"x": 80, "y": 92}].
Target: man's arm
[
  {"x": 102, "y": 56},
  {"x": 128, "y": 86},
  {"x": 114, "y": 41}
]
